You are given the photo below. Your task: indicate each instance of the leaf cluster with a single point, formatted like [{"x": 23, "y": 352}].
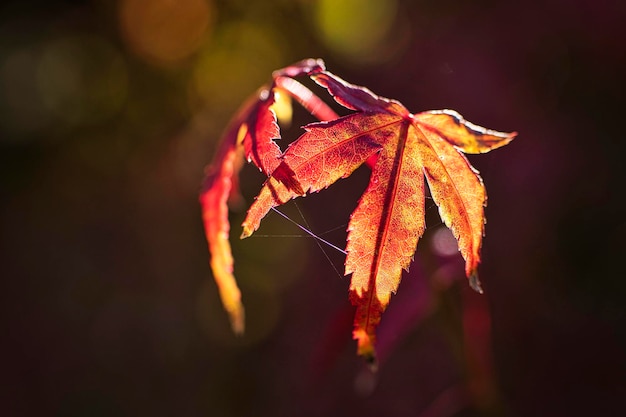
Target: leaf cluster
[{"x": 405, "y": 151}]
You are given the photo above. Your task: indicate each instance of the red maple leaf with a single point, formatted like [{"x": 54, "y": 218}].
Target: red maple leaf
[{"x": 401, "y": 148}]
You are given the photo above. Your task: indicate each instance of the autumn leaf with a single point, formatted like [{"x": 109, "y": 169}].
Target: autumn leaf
[
  {"x": 404, "y": 150},
  {"x": 389, "y": 220}
]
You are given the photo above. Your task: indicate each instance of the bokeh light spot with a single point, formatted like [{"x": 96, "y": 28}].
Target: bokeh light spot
[
  {"x": 444, "y": 243},
  {"x": 356, "y": 29},
  {"x": 240, "y": 59},
  {"x": 82, "y": 79},
  {"x": 23, "y": 110},
  {"x": 165, "y": 31}
]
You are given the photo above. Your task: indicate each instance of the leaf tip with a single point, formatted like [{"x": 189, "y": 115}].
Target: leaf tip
[
  {"x": 246, "y": 232},
  {"x": 366, "y": 348},
  {"x": 474, "y": 282},
  {"x": 237, "y": 320},
  {"x": 508, "y": 137}
]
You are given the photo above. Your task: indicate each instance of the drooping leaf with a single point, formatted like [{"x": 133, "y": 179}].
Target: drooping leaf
[
  {"x": 218, "y": 186},
  {"x": 251, "y": 134}
]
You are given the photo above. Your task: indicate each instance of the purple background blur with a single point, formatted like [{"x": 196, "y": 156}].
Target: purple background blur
[{"x": 109, "y": 112}]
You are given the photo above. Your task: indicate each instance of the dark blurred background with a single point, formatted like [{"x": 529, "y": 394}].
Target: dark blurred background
[{"x": 109, "y": 112}]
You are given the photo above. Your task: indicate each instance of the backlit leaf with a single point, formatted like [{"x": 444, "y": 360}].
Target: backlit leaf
[{"x": 402, "y": 149}]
